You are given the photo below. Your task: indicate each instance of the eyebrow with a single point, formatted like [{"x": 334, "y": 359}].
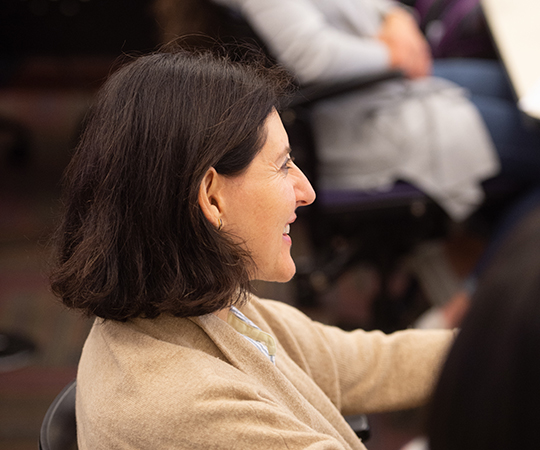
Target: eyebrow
[{"x": 285, "y": 152}]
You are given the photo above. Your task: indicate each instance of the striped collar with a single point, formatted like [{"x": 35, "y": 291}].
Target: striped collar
[{"x": 260, "y": 339}]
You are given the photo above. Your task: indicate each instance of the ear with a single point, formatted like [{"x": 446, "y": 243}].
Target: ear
[{"x": 209, "y": 197}]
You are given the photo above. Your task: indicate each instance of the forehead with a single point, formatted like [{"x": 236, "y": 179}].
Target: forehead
[{"x": 276, "y": 139}]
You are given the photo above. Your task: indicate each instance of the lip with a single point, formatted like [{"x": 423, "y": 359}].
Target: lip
[
  {"x": 286, "y": 236},
  {"x": 290, "y": 222},
  {"x": 293, "y": 219}
]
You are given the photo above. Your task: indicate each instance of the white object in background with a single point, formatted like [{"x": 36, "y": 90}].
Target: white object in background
[
  {"x": 419, "y": 443},
  {"x": 530, "y": 102},
  {"x": 516, "y": 32}
]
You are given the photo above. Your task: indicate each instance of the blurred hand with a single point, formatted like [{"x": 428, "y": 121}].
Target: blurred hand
[{"x": 409, "y": 50}]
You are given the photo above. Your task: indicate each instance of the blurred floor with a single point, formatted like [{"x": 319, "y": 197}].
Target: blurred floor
[
  {"x": 28, "y": 308},
  {"x": 28, "y": 211}
]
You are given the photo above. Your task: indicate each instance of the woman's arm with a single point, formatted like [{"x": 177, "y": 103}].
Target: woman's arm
[
  {"x": 409, "y": 50},
  {"x": 303, "y": 40},
  {"x": 361, "y": 372}
]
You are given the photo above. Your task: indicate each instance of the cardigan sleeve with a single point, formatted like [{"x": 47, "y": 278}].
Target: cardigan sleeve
[
  {"x": 362, "y": 372},
  {"x": 302, "y": 39}
]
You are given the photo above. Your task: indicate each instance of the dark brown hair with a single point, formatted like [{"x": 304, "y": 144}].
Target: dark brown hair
[{"x": 133, "y": 241}]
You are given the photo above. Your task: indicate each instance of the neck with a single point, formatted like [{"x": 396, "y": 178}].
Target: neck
[{"x": 222, "y": 314}]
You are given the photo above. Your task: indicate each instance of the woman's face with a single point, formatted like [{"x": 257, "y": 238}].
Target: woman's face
[{"x": 260, "y": 204}]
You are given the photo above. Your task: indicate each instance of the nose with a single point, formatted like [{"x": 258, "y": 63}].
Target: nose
[{"x": 305, "y": 195}]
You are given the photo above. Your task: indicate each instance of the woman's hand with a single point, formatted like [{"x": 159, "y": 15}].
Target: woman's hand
[{"x": 409, "y": 51}]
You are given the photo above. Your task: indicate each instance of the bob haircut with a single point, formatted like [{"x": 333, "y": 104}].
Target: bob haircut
[{"x": 133, "y": 241}]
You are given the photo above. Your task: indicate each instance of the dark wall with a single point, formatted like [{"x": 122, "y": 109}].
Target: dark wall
[{"x": 64, "y": 27}]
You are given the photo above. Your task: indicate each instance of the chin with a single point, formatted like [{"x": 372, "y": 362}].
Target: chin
[
  {"x": 287, "y": 274},
  {"x": 281, "y": 275},
  {"x": 285, "y": 279}
]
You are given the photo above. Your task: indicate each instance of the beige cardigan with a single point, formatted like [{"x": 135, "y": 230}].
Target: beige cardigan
[{"x": 171, "y": 383}]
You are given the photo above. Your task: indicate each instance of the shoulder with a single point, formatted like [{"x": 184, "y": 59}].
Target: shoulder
[
  {"x": 136, "y": 380},
  {"x": 274, "y": 309},
  {"x": 299, "y": 334},
  {"x": 301, "y": 337},
  {"x": 277, "y": 317}
]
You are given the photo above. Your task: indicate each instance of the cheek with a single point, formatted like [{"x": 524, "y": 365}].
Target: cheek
[
  {"x": 267, "y": 223},
  {"x": 274, "y": 206},
  {"x": 258, "y": 217}
]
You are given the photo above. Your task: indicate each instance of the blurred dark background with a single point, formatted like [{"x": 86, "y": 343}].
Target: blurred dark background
[
  {"x": 54, "y": 55},
  {"x": 75, "y": 27}
]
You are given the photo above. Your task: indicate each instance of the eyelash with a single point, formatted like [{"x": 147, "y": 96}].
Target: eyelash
[{"x": 290, "y": 159}]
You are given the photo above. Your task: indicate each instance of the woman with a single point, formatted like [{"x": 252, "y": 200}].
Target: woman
[
  {"x": 488, "y": 396},
  {"x": 181, "y": 191}
]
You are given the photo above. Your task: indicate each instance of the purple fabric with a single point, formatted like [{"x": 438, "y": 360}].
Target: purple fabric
[{"x": 400, "y": 192}]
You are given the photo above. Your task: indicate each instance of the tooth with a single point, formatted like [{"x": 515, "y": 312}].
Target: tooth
[{"x": 287, "y": 229}]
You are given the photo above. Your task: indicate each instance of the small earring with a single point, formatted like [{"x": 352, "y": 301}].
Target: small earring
[{"x": 220, "y": 226}]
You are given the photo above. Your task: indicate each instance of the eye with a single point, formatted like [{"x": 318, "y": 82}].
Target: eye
[{"x": 289, "y": 162}]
